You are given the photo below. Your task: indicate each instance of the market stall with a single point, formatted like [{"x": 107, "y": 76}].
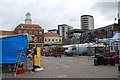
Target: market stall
[
  {"x": 107, "y": 53},
  {"x": 14, "y": 51}
]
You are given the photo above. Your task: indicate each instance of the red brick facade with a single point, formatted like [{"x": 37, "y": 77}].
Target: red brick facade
[
  {"x": 6, "y": 32},
  {"x": 34, "y": 30}
]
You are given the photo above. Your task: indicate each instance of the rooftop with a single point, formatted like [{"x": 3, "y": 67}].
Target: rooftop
[
  {"x": 28, "y": 13},
  {"x": 86, "y": 15},
  {"x": 6, "y": 32},
  {"x": 52, "y": 34},
  {"x": 30, "y": 25},
  {"x": 53, "y": 30}
]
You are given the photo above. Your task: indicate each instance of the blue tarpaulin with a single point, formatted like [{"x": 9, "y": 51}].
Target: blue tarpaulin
[{"x": 11, "y": 48}]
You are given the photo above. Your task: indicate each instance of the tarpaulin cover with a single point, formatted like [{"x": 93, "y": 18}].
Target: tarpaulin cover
[{"x": 12, "y": 47}]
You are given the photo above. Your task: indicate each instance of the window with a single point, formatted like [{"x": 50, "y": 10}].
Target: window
[
  {"x": 52, "y": 39},
  {"x": 102, "y": 30},
  {"x": 19, "y": 31},
  {"x": 30, "y": 32},
  {"x": 59, "y": 40},
  {"x": 35, "y": 32},
  {"x": 95, "y": 32},
  {"x": 74, "y": 48},
  {"x": 63, "y": 34},
  {"x": 89, "y": 33},
  {"x": 40, "y": 39},
  {"x": 56, "y": 40},
  {"x": 22, "y": 27},
  {"x": 25, "y": 31},
  {"x": 35, "y": 38},
  {"x": 40, "y": 33},
  {"x": 45, "y": 39},
  {"x": 28, "y": 27},
  {"x": 37, "y": 27}
]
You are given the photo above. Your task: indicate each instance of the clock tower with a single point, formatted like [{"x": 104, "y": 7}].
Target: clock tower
[{"x": 28, "y": 19}]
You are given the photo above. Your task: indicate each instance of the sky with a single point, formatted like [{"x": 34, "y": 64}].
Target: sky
[{"x": 50, "y": 13}]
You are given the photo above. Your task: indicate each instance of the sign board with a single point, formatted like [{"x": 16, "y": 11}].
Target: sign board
[{"x": 89, "y": 36}]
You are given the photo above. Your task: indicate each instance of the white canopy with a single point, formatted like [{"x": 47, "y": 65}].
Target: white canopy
[{"x": 116, "y": 36}]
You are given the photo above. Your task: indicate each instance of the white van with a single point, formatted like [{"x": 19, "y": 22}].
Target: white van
[{"x": 79, "y": 50}]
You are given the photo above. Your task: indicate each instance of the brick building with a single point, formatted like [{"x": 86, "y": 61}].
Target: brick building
[
  {"x": 35, "y": 31},
  {"x": 100, "y": 33},
  {"x": 6, "y": 33}
]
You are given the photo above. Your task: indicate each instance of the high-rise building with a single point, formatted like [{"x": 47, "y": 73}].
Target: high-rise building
[
  {"x": 87, "y": 22},
  {"x": 62, "y": 29}
]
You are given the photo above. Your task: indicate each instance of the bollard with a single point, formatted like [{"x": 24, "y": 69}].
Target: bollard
[{"x": 37, "y": 60}]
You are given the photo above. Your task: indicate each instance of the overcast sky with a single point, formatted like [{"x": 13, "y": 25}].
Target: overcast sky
[{"x": 50, "y": 13}]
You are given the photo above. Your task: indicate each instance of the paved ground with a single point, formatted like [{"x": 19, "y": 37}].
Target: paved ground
[{"x": 69, "y": 67}]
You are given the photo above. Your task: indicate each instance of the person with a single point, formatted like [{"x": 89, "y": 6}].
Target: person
[
  {"x": 29, "y": 53},
  {"x": 34, "y": 51}
]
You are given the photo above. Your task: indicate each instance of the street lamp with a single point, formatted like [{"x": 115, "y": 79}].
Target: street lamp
[
  {"x": 35, "y": 43},
  {"x": 118, "y": 33}
]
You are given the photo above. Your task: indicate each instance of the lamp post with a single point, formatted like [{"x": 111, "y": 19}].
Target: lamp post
[
  {"x": 119, "y": 42},
  {"x": 118, "y": 33},
  {"x": 35, "y": 43}
]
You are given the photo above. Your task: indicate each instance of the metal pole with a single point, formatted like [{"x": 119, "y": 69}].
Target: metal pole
[
  {"x": 119, "y": 32},
  {"x": 119, "y": 41},
  {"x": 35, "y": 44}
]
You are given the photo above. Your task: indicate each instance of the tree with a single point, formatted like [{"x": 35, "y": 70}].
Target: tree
[{"x": 75, "y": 39}]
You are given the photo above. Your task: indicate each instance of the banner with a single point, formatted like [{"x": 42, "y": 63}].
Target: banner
[{"x": 89, "y": 36}]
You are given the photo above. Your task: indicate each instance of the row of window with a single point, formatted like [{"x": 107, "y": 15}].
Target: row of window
[
  {"x": 102, "y": 31},
  {"x": 30, "y": 32},
  {"x": 30, "y": 27},
  {"x": 53, "y": 40},
  {"x": 36, "y": 39}
]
